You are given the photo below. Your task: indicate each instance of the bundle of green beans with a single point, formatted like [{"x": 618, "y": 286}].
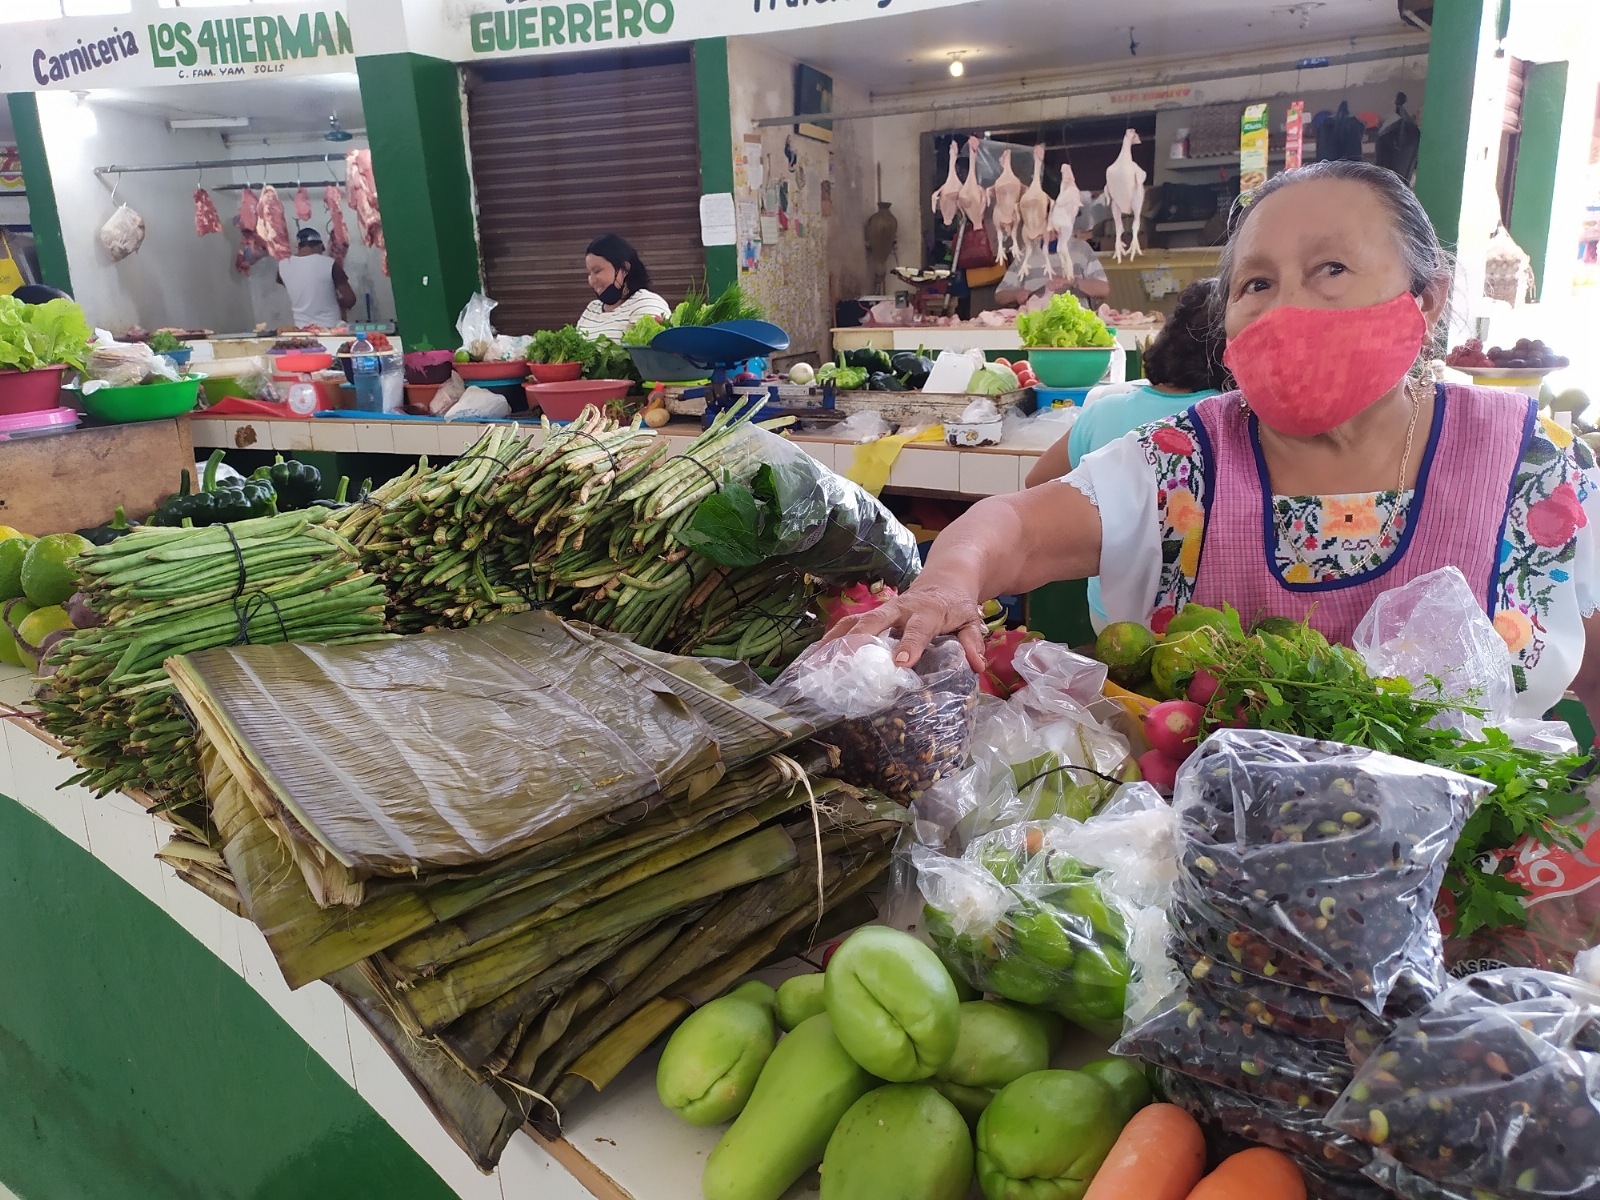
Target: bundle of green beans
[
  {"x": 582, "y": 520},
  {"x": 160, "y": 592}
]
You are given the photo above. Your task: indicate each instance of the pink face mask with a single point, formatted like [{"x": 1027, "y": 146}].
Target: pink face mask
[{"x": 1304, "y": 371}]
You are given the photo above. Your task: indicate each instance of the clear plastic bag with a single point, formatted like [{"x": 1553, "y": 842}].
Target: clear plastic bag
[
  {"x": 1434, "y": 632},
  {"x": 123, "y": 233},
  {"x": 478, "y": 404},
  {"x": 474, "y": 326},
  {"x": 1313, "y": 863},
  {"x": 865, "y": 426},
  {"x": 1495, "y": 1087},
  {"x": 125, "y": 364},
  {"x": 1286, "y": 1127},
  {"x": 1062, "y": 914},
  {"x": 899, "y": 730}
]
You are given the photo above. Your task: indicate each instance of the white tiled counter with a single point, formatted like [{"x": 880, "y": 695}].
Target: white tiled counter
[{"x": 921, "y": 468}]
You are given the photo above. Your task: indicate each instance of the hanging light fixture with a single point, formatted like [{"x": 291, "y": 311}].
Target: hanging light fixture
[
  {"x": 957, "y": 67},
  {"x": 336, "y": 132}
]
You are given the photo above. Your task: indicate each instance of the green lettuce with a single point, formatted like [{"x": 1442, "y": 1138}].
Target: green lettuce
[
  {"x": 1064, "y": 324},
  {"x": 42, "y": 335}
]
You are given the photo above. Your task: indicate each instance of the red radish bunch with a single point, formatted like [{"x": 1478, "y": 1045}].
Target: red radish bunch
[
  {"x": 1000, "y": 676},
  {"x": 1022, "y": 369},
  {"x": 852, "y": 601},
  {"x": 1173, "y": 729}
]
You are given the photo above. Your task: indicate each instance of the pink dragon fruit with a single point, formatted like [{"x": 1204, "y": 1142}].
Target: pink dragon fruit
[
  {"x": 854, "y": 600},
  {"x": 999, "y": 676}
]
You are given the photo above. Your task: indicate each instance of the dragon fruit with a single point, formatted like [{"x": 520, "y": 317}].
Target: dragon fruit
[
  {"x": 999, "y": 676},
  {"x": 854, "y": 600}
]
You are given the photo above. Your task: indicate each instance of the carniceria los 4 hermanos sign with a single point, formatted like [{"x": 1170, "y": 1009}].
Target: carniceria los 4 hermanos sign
[{"x": 156, "y": 45}]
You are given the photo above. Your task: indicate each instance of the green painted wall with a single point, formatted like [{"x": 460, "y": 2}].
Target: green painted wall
[
  {"x": 1447, "y": 111},
  {"x": 419, "y": 162},
  {"x": 1544, "y": 99},
  {"x": 47, "y": 239},
  {"x": 134, "y": 1065},
  {"x": 716, "y": 148}
]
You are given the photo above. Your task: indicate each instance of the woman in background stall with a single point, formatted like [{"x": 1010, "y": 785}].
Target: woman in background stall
[{"x": 621, "y": 284}]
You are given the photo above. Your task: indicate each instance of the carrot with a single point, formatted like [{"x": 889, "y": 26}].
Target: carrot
[
  {"x": 1254, "y": 1174},
  {"x": 1159, "y": 1156}
]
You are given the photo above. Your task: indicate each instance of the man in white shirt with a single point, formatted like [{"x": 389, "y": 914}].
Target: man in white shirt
[
  {"x": 1088, "y": 281},
  {"x": 319, "y": 290}
]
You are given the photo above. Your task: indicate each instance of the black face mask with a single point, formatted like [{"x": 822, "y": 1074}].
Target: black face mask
[{"x": 611, "y": 295}]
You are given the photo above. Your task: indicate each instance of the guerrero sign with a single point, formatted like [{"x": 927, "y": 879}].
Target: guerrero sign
[
  {"x": 155, "y": 45},
  {"x": 463, "y": 30}
]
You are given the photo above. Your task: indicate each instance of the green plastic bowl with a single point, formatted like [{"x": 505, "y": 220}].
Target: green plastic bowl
[
  {"x": 146, "y": 402},
  {"x": 1066, "y": 368}
]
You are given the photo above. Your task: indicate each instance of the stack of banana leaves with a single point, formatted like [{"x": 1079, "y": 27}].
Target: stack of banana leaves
[
  {"x": 584, "y": 522},
  {"x": 518, "y": 914},
  {"x": 158, "y": 592}
]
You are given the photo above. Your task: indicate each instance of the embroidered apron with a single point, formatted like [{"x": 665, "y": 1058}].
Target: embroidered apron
[{"x": 1456, "y": 517}]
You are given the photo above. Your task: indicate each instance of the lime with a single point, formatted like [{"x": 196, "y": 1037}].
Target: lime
[
  {"x": 1126, "y": 648},
  {"x": 1282, "y": 626},
  {"x": 46, "y": 577},
  {"x": 12, "y": 552},
  {"x": 11, "y": 531},
  {"x": 1172, "y": 665},
  {"x": 9, "y": 653},
  {"x": 38, "y": 625}
]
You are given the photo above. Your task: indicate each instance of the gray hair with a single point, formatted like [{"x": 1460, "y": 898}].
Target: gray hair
[{"x": 1425, "y": 258}]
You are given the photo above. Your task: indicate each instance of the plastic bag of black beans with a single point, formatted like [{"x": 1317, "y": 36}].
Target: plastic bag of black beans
[
  {"x": 1286, "y": 1127},
  {"x": 1493, "y": 1088},
  {"x": 1313, "y": 863}
]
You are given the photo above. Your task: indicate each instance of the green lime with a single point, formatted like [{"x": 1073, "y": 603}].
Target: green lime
[
  {"x": 38, "y": 625},
  {"x": 9, "y": 653},
  {"x": 1282, "y": 626},
  {"x": 1126, "y": 648},
  {"x": 12, "y": 552},
  {"x": 47, "y": 578},
  {"x": 1172, "y": 665}
]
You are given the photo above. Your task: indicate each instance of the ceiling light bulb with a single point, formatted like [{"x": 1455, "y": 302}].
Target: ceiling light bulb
[{"x": 957, "y": 68}]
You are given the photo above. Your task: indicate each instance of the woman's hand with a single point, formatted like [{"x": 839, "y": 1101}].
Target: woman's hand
[{"x": 919, "y": 616}]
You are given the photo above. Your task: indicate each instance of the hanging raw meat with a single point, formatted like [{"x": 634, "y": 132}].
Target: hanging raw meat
[
  {"x": 973, "y": 196},
  {"x": 945, "y": 200},
  {"x": 272, "y": 225},
  {"x": 246, "y": 220},
  {"x": 206, "y": 219},
  {"x": 302, "y": 205},
  {"x": 363, "y": 191},
  {"x": 338, "y": 235},
  {"x": 251, "y": 251}
]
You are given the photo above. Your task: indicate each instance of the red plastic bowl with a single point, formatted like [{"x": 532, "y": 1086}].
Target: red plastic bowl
[
  {"x": 564, "y": 401},
  {"x": 555, "y": 372},
  {"x": 30, "y": 391},
  {"x": 514, "y": 369},
  {"x": 304, "y": 364}
]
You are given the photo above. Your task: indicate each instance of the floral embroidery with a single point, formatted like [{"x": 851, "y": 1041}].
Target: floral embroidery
[
  {"x": 1513, "y": 625},
  {"x": 1172, "y": 449},
  {"x": 1321, "y": 538}
]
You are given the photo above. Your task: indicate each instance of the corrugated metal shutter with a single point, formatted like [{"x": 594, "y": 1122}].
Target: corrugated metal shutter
[{"x": 563, "y": 154}]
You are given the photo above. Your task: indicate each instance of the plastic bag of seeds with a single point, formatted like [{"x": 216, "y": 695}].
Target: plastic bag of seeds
[
  {"x": 904, "y": 729},
  {"x": 1313, "y": 863},
  {"x": 1195, "y": 1035},
  {"x": 1495, "y": 1086},
  {"x": 1286, "y": 1127}
]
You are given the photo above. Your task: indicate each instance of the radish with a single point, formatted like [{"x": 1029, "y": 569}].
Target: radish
[
  {"x": 1202, "y": 687},
  {"x": 1159, "y": 771},
  {"x": 1173, "y": 727}
]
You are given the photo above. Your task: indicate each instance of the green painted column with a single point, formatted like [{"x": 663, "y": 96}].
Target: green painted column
[
  {"x": 46, "y": 221},
  {"x": 716, "y": 148},
  {"x": 136, "y": 1065},
  {"x": 1544, "y": 100},
  {"x": 419, "y": 162},
  {"x": 1453, "y": 51}
]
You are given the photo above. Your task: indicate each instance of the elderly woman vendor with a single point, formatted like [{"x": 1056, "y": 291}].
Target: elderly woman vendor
[{"x": 1332, "y": 474}]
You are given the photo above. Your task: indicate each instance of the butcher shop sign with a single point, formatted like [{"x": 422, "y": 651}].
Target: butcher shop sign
[{"x": 156, "y": 45}]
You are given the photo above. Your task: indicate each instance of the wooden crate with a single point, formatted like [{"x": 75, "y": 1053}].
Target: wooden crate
[{"x": 73, "y": 480}]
